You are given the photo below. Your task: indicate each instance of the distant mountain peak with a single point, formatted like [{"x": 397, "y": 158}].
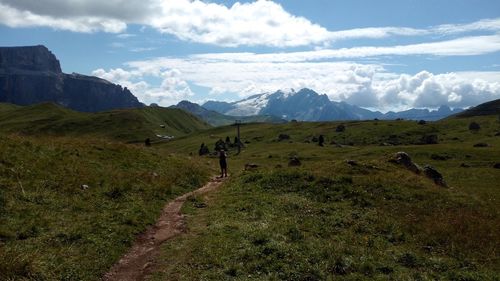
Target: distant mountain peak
[{"x": 308, "y": 105}]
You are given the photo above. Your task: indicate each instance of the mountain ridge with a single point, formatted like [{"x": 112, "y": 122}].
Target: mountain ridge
[
  {"x": 308, "y": 105},
  {"x": 215, "y": 118},
  {"x": 32, "y": 74}
]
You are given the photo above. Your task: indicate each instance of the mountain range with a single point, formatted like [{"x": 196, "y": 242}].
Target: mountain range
[
  {"x": 307, "y": 105},
  {"x": 215, "y": 118}
]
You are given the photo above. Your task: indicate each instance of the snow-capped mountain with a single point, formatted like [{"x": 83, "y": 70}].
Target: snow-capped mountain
[{"x": 307, "y": 105}]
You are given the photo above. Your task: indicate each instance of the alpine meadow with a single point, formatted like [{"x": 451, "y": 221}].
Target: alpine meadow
[{"x": 249, "y": 140}]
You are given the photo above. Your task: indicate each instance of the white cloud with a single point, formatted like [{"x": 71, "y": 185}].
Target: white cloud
[
  {"x": 429, "y": 90},
  {"x": 260, "y": 22},
  {"x": 466, "y": 46},
  {"x": 171, "y": 90},
  {"x": 368, "y": 85},
  {"x": 24, "y": 18}
]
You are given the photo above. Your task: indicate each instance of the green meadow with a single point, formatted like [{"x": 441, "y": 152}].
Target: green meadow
[{"x": 73, "y": 198}]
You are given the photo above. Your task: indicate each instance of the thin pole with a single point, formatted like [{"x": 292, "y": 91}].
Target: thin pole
[{"x": 238, "y": 123}]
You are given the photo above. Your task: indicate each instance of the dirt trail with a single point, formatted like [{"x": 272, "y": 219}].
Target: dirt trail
[{"x": 139, "y": 261}]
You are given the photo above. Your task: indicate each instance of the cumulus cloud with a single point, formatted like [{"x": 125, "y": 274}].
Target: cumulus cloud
[
  {"x": 256, "y": 23},
  {"x": 171, "y": 90},
  {"x": 425, "y": 89},
  {"x": 367, "y": 85}
]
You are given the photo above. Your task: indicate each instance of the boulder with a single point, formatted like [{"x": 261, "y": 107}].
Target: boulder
[
  {"x": 481, "y": 144},
  {"x": 282, "y": 137},
  {"x": 251, "y": 166},
  {"x": 340, "y": 128},
  {"x": 430, "y": 139},
  {"x": 402, "y": 158},
  {"x": 474, "y": 126},
  {"x": 352, "y": 162},
  {"x": 294, "y": 162},
  {"x": 434, "y": 175}
]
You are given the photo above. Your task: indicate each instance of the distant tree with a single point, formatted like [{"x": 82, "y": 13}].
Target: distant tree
[
  {"x": 321, "y": 140},
  {"x": 228, "y": 140},
  {"x": 473, "y": 126},
  {"x": 421, "y": 122},
  {"x": 340, "y": 128}
]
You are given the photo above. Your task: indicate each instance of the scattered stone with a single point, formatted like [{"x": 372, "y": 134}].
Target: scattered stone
[
  {"x": 402, "y": 158},
  {"x": 84, "y": 186},
  {"x": 162, "y": 126},
  {"x": 269, "y": 156},
  {"x": 279, "y": 166},
  {"x": 434, "y": 175},
  {"x": 421, "y": 122},
  {"x": 463, "y": 165},
  {"x": 321, "y": 140},
  {"x": 282, "y": 137},
  {"x": 440, "y": 157},
  {"x": 147, "y": 142},
  {"x": 473, "y": 126},
  {"x": 352, "y": 162},
  {"x": 430, "y": 139},
  {"x": 294, "y": 162},
  {"x": 314, "y": 139},
  {"x": 247, "y": 142},
  {"x": 481, "y": 144},
  {"x": 340, "y": 128},
  {"x": 468, "y": 156},
  {"x": 497, "y": 134},
  {"x": 394, "y": 140},
  {"x": 386, "y": 144},
  {"x": 455, "y": 138},
  {"x": 251, "y": 166},
  {"x": 496, "y": 166}
]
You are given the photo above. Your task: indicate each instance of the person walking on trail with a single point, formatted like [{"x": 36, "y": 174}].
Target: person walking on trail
[{"x": 223, "y": 163}]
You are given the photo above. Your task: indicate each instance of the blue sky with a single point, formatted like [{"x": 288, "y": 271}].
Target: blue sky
[{"x": 385, "y": 55}]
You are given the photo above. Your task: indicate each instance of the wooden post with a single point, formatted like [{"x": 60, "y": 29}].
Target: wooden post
[{"x": 238, "y": 123}]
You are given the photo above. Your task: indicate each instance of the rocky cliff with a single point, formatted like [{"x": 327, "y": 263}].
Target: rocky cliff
[{"x": 30, "y": 75}]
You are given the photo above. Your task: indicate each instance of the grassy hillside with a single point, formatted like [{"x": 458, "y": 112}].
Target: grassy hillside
[
  {"x": 128, "y": 125},
  {"x": 218, "y": 119},
  {"x": 487, "y": 108},
  {"x": 69, "y": 208},
  {"x": 331, "y": 220}
]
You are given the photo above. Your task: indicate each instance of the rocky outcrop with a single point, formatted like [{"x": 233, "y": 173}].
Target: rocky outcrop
[{"x": 30, "y": 75}]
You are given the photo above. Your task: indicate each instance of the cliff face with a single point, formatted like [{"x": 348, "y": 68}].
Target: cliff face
[{"x": 30, "y": 75}]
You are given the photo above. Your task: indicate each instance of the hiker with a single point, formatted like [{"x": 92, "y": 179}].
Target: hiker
[{"x": 223, "y": 163}]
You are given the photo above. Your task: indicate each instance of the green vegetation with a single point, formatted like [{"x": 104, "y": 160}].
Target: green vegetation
[
  {"x": 69, "y": 208},
  {"x": 73, "y": 195},
  {"x": 127, "y": 125},
  {"x": 329, "y": 220}
]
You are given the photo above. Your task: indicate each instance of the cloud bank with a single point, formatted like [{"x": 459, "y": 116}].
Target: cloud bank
[
  {"x": 367, "y": 85},
  {"x": 259, "y": 23}
]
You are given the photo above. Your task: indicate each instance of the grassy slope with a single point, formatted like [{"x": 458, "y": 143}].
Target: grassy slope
[
  {"x": 123, "y": 125},
  {"x": 330, "y": 220},
  {"x": 53, "y": 229}
]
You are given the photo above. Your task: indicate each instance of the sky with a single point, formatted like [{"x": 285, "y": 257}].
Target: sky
[{"x": 384, "y": 54}]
